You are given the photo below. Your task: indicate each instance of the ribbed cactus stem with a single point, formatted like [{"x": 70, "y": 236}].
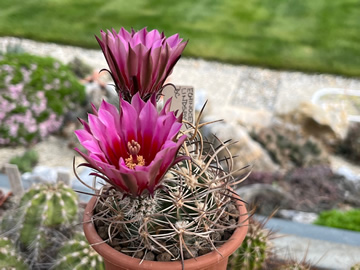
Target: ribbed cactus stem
[
  {"x": 45, "y": 211},
  {"x": 77, "y": 254},
  {"x": 45, "y": 207},
  {"x": 9, "y": 258}
]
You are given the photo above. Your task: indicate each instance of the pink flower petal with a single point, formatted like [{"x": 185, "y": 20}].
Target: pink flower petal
[
  {"x": 108, "y": 132},
  {"x": 140, "y": 61}
]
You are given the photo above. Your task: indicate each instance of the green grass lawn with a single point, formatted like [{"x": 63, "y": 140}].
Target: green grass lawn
[{"x": 308, "y": 35}]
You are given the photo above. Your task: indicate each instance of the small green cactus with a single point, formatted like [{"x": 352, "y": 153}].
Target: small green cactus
[
  {"x": 9, "y": 258},
  {"x": 46, "y": 215},
  {"x": 45, "y": 207},
  {"x": 254, "y": 250},
  {"x": 78, "y": 254}
]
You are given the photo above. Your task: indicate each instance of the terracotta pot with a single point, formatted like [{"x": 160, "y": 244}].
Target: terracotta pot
[{"x": 115, "y": 260}]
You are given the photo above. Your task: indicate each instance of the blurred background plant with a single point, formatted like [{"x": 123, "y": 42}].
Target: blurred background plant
[
  {"x": 255, "y": 250},
  {"x": 77, "y": 254},
  {"x": 36, "y": 93},
  {"x": 27, "y": 161},
  {"x": 9, "y": 257},
  {"x": 349, "y": 220}
]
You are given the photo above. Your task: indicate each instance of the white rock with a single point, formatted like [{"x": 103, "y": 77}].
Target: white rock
[
  {"x": 43, "y": 174},
  {"x": 348, "y": 174},
  {"x": 298, "y": 216},
  {"x": 246, "y": 150}
]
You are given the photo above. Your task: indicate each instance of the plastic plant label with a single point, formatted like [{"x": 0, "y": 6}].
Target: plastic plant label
[{"x": 183, "y": 100}]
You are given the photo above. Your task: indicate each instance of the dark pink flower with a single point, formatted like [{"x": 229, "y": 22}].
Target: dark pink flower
[
  {"x": 134, "y": 148},
  {"x": 140, "y": 61}
]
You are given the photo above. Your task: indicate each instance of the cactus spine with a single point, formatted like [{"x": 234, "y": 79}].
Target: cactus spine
[
  {"x": 9, "y": 258},
  {"x": 296, "y": 266},
  {"x": 77, "y": 254}
]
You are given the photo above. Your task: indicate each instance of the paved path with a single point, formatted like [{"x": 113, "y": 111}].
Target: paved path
[
  {"x": 327, "y": 248},
  {"x": 323, "y": 254}
]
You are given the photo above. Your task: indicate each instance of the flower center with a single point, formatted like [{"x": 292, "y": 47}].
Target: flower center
[{"x": 134, "y": 159}]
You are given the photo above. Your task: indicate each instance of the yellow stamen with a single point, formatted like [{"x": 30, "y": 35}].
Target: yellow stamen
[{"x": 131, "y": 163}]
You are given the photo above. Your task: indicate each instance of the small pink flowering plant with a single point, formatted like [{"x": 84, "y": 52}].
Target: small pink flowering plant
[
  {"x": 166, "y": 196},
  {"x": 35, "y": 93}
]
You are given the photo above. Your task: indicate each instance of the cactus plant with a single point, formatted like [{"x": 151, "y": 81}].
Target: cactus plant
[
  {"x": 46, "y": 206},
  {"x": 166, "y": 197},
  {"x": 46, "y": 214},
  {"x": 9, "y": 258},
  {"x": 78, "y": 254},
  {"x": 289, "y": 147},
  {"x": 190, "y": 215},
  {"x": 255, "y": 249}
]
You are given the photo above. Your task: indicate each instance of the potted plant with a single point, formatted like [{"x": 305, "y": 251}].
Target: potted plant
[{"x": 167, "y": 199}]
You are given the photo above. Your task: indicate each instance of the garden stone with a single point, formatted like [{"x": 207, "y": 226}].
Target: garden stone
[
  {"x": 265, "y": 197},
  {"x": 95, "y": 93},
  {"x": 349, "y": 190},
  {"x": 348, "y": 174},
  {"x": 247, "y": 151},
  {"x": 328, "y": 125},
  {"x": 43, "y": 174},
  {"x": 297, "y": 216},
  {"x": 250, "y": 118}
]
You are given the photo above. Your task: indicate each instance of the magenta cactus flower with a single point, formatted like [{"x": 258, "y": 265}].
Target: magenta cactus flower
[
  {"x": 140, "y": 61},
  {"x": 134, "y": 148}
]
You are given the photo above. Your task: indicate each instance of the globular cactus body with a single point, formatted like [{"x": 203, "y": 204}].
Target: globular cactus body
[
  {"x": 77, "y": 254},
  {"x": 254, "y": 250},
  {"x": 46, "y": 213},
  {"x": 45, "y": 207},
  {"x": 9, "y": 258}
]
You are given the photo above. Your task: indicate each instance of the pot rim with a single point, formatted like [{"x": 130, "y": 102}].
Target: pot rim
[{"x": 120, "y": 259}]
